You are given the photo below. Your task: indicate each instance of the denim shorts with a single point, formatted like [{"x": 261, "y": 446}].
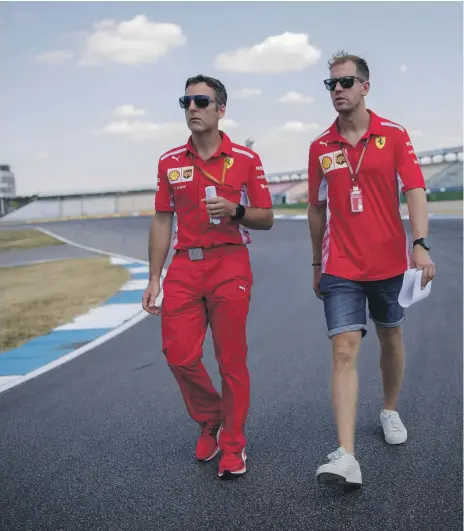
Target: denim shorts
[{"x": 345, "y": 303}]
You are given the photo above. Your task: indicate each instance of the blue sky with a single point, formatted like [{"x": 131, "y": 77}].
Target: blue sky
[{"x": 69, "y": 68}]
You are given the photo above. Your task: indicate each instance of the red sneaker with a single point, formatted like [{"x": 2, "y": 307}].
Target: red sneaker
[
  {"x": 232, "y": 463},
  {"x": 207, "y": 445}
]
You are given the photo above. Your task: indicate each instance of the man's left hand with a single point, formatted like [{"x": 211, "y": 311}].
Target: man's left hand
[
  {"x": 422, "y": 261},
  {"x": 219, "y": 207}
]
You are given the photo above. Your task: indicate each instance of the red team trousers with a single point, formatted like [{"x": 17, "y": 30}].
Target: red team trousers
[{"x": 214, "y": 290}]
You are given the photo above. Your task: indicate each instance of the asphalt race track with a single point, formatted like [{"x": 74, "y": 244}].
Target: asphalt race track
[{"x": 104, "y": 442}]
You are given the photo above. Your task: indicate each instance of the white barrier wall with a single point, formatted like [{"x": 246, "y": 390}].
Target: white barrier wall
[
  {"x": 46, "y": 209},
  {"x": 95, "y": 206},
  {"x": 136, "y": 202},
  {"x": 70, "y": 208}
]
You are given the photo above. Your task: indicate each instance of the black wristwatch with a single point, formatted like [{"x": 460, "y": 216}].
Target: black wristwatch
[
  {"x": 239, "y": 212},
  {"x": 423, "y": 242}
]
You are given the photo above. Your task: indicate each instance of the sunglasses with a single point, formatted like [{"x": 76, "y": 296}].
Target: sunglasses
[
  {"x": 200, "y": 101},
  {"x": 345, "y": 81}
]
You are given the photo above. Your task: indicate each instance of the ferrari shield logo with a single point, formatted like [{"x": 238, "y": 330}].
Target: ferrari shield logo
[{"x": 380, "y": 142}]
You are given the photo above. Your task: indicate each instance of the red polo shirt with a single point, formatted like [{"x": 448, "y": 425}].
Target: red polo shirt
[
  {"x": 372, "y": 244},
  {"x": 183, "y": 177}
]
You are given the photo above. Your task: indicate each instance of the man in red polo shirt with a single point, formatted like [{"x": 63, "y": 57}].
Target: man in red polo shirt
[
  {"x": 210, "y": 277},
  {"x": 356, "y": 171}
]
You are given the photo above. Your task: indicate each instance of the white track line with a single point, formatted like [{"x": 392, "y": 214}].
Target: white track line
[
  {"x": 87, "y": 248},
  {"x": 6, "y": 384}
]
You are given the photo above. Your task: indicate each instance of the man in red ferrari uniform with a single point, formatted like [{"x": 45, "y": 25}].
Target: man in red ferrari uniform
[
  {"x": 210, "y": 277},
  {"x": 357, "y": 169}
]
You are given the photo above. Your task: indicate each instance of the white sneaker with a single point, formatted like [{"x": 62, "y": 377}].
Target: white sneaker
[
  {"x": 342, "y": 470},
  {"x": 393, "y": 428}
]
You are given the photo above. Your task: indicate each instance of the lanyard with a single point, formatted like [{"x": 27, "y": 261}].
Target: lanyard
[
  {"x": 354, "y": 175},
  {"x": 211, "y": 177}
]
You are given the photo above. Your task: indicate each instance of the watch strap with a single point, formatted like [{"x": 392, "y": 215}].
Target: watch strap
[
  {"x": 239, "y": 212},
  {"x": 422, "y": 242}
]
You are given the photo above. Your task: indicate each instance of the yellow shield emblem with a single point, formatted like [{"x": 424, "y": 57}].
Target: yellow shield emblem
[
  {"x": 380, "y": 142},
  {"x": 229, "y": 162}
]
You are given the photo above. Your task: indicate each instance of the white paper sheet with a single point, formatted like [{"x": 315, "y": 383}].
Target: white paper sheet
[{"x": 411, "y": 291}]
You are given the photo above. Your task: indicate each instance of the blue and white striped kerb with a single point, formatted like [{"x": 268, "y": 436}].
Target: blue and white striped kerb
[{"x": 47, "y": 349}]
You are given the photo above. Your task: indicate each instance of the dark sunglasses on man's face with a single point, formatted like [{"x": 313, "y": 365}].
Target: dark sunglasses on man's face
[
  {"x": 345, "y": 81},
  {"x": 200, "y": 101}
]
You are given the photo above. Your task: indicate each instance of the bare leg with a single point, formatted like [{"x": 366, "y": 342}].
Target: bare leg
[
  {"x": 345, "y": 349},
  {"x": 391, "y": 363}
]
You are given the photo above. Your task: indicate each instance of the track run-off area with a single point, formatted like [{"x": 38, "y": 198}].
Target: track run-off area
[{"x": 104, "y": 442}]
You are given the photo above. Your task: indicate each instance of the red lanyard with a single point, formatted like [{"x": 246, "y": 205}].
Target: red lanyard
[
  {"x": 354, "y": 175},
  {"x": 211, "y": 177}
]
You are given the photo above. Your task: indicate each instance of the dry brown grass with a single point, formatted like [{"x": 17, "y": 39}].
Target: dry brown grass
[
  {"x": 15, "y": 240},
  {"x": 37, "y": 298}
]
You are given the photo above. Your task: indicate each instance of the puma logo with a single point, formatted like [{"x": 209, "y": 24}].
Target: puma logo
[
  {"x": 242, "y": 287},
  {"x": 325, "y": 143},
  {"x": 177, "y": 158}
]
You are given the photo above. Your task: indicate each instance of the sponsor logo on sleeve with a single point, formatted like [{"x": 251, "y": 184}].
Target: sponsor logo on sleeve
[
  {"x": 187, "y": 174},
  {"x": 340, "y": 161},
  {"x": 180, "y": 175},
  {"x": 173, "y": 175},
  {"x": 332, "y": 161},
  {"x": 326, "y": 162}
]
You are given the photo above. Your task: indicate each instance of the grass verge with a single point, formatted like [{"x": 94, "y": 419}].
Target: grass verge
[
  {"x": 16, "y": 240},
  {"x": 39, "y": 297}
]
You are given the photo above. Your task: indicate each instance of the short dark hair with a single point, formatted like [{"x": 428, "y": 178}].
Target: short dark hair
[
  {"x": 219, "y": 88},
  {"x": 342, "y": 57}
]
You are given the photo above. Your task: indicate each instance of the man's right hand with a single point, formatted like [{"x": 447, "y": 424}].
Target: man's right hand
[
  {"x": 149, "y": 297},
  {"x": 317, "y": 275}
]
